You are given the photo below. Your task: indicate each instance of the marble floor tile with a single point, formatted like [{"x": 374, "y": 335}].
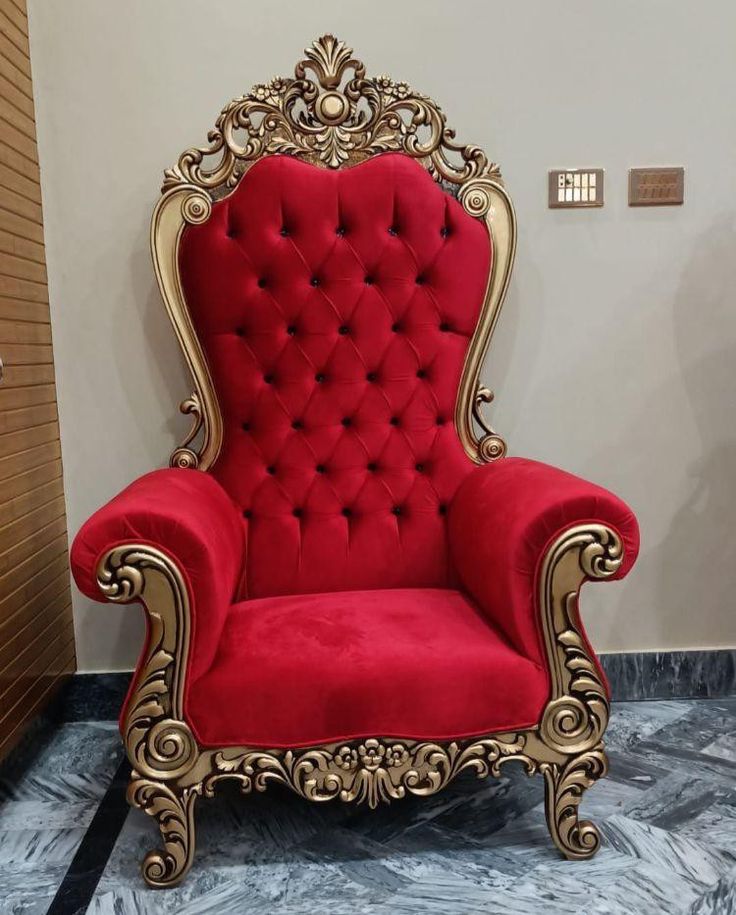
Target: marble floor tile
[{"x": 667, "y": 815}]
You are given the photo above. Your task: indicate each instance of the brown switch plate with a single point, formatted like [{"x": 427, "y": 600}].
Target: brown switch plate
[
  {"x": 575, "y": 187},
  {"x": 654, "y": 187}
]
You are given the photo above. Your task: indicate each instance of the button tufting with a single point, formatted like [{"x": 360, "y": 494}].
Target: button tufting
[
  {"x": 421, "y": 373},
  {"x": 371, "y": 376},
  {"x": 297, "y": 513},
  {"x": 396, "y": 510},
  {"x": 419, "y": 468},
  {"x": 440, "y": 420},
  {"x": 443, "y": 509},
  {"x": 291, "y": 330},
  {"x": 268, "y": 379},
  {"x": 245, "y": 427},
  {"x": 420, "y": 280},
  {"x": 343, "y": 329},
  {"x": 392, "y": 230},
  {"x": 340, "y": 230},
  {"x": 373, "y": 467},
  {"x": 368, "y": 281},
  {"x": 346, "y": 421},
  {"x": 297, "y": 424},
  {"x": 346, "y": 512},
  {"x": 314, "y": 281},
  {"x": 262, "y": 283},
  {"x": 240, "y": 331},
  {"x": 396, "y": 327},
  {"x": 284, "y": 232},
  {"x": 444, "y": 231},
  {"x": 444, "y": 327},
  {"x": 394, "y": 420},
  {"x": 320, "y": 468},
  {"x": 247, "y": 513},
  {"x": 319, "y": 377},
  {"x": 271, "y": 469}
]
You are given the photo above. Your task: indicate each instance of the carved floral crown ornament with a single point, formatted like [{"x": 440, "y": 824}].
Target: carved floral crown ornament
[{"x": 336, "y": 116}]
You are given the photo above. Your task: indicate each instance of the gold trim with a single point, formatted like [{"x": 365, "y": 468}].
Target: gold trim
[
  {"x": 332, "y": 115},
  {"x": 170, "y": 770}
]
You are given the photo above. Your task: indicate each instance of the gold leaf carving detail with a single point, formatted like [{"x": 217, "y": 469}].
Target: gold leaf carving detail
[
  {"x": 368, "y": 771},
  {"x": 329, "y": 113}
]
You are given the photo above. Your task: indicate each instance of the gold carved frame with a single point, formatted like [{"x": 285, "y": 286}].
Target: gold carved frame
[{"x": 334, "y": 116}]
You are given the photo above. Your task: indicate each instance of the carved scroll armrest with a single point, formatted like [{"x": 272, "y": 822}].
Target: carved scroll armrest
[
  {"x": 167, "y": 522},
  {"x": 519, "y": 528}
]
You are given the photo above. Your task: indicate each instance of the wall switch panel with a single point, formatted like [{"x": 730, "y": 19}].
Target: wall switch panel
[
  {"x": 653, "y": 187},
  {"x": 576, "y": 187}
]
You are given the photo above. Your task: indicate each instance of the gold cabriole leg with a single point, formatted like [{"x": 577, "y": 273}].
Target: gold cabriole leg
[
  {"x": 564, "y": 788},
  {"x": 174, "y": 812}
]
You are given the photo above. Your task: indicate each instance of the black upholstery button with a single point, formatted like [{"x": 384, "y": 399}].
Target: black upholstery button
[
  {"x": 297, "y": 513},
  {"x": 291, "y": 330},
  {"x": 343, "y": 329},
  {"x": 440, "y": 420},
  {"x": 419, "y": 468},
  {"x": 443, "y": 509},
  {"x": 444, "y": 231},
  {"x": 319, "y": 377},
  {"x": 346, "y": 512},
  {"x": 396, "y": 510},
  {"x": 284, "y": 231},
  {"x": 340, "y": 230},
  {"x": 371, "y": 376},
  {"x": 421, "y": 373},
  {"x": 320, "y": 468},
  {"x": 240, "y": 331},
  {"x": 268, "y": 379},
  {"x": 231, "y": 233},
  {"x": 271, "y": 469},
  {"x": 396, "y": 327},
  {"x": 420, "y": 280},
  {"x": 346, "y": 421},
  {"x": 247, "y": 513},
  {"x": 392, "y": 230},
  {"x": 373, "y": 467},
  {"x": 368, "y": 281},
  {"x": 262, "y": 283},
  {"x": 246, "y": 427},
  {"x": 394, "y": 420},
  {"x": 314, "y": 281},
  {"x": 297, "y": 424},
  {"x": 444, "y": 327}
]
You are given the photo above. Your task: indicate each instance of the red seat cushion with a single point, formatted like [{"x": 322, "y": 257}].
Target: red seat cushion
[
  {"x": 335, "y": 309},
  {"x": 312, "y": 669}
]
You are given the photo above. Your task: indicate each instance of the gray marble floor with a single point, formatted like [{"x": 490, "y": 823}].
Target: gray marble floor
[{"x": 667, "y": 813}]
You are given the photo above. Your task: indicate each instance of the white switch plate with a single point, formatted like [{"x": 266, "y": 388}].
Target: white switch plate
[{"x": 575, "y": 187}]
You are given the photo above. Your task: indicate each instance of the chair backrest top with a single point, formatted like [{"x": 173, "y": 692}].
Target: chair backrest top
[{"x": 331, "y": 115}]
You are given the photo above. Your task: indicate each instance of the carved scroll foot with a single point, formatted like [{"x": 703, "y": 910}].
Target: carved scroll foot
[
  {"x": 174, "y": 812},
  {"x": 565, "y": 784}
]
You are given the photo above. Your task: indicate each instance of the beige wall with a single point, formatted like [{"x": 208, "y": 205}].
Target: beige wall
[{"x": 614, "y": 357}]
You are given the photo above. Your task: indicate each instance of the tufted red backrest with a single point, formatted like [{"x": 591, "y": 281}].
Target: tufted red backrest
[{"x": 335, "y": 309}]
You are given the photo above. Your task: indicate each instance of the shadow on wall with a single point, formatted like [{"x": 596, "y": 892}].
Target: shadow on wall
[
  {"x": 161, "y": 367},
  {"x": 698, "y": 557}
]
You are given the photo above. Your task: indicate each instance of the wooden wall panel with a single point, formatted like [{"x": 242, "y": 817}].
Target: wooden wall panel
[{"x": 36, "y": 633}]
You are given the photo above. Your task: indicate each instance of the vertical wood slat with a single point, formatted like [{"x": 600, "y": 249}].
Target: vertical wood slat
[{"x": 36, "y": 632}]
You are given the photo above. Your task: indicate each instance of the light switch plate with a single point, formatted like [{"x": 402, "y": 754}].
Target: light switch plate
[
  {"x": 653, "y": 187},
  {"x": 575, "y": 187}
]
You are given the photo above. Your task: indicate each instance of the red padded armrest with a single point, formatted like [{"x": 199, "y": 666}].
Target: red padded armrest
[
  {"x": 187, "y": 515},
  {"x": 501, "y": 521}
]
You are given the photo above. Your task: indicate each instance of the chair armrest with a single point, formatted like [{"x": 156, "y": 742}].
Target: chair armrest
[
  {"x": 503, "y": 522},
  {"x": 186, "y": 515}
]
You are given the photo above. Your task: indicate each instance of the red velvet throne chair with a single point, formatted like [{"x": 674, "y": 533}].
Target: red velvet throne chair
[{"x": 349, "y": 588}]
